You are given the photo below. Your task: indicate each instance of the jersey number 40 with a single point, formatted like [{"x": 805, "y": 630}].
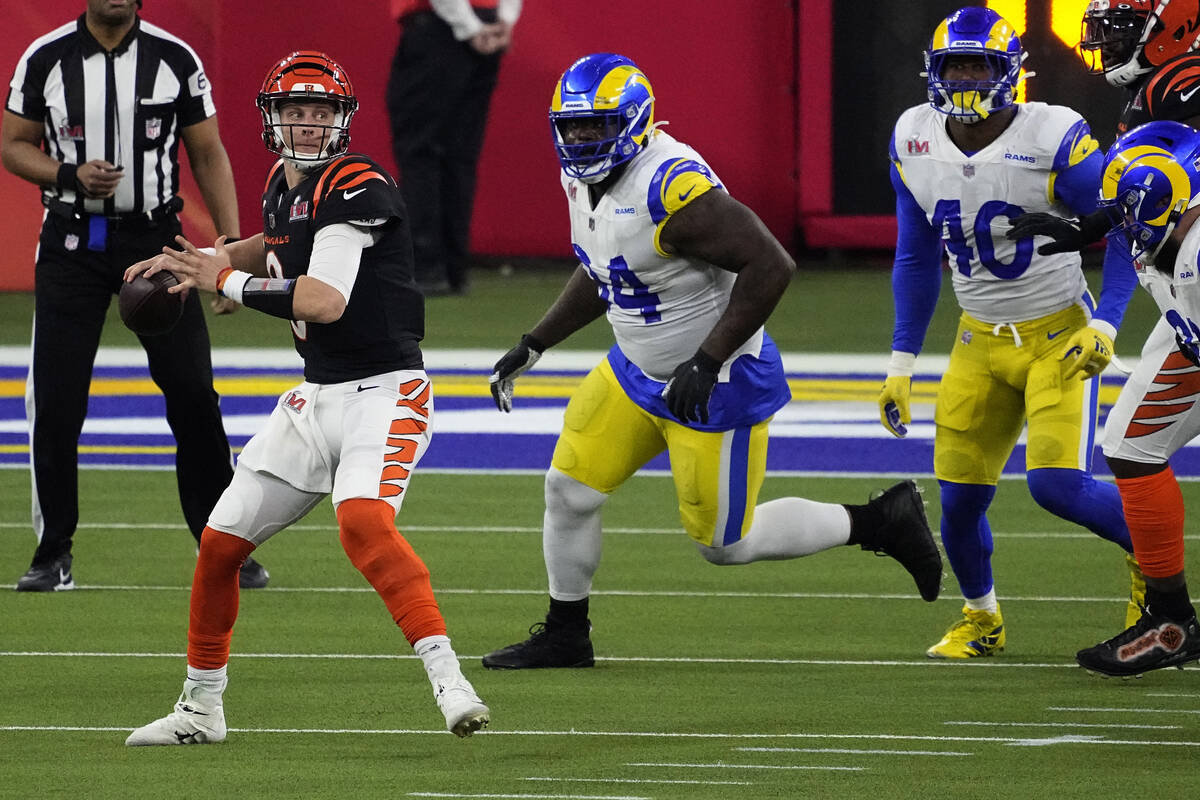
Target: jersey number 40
[{"x": 947, "y": 216}]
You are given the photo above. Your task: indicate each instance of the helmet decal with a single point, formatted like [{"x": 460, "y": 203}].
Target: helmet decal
[{"x": 1150, "y": 177}]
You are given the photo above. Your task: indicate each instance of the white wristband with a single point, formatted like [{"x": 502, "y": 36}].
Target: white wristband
[
  {"x": 901, "y": 364},
  {"x": 234, "y": 284},
  {"x": 1105, "y": 327}
]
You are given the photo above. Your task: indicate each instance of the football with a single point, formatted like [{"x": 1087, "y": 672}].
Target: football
[{"x": 147, "y": 308}]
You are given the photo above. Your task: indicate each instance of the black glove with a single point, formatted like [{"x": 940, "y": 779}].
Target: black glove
[
  {"x": 691, "y": 386},
  {"x": 512, "y": 364},
  {"x": 1188, "y": 349},
  {"x": 1069, "y": 236}
]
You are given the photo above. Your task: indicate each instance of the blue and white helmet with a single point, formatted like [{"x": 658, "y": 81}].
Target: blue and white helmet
[
  {"x": 1151, "y": 175},
  {"x": 610, "y": 91},
  {"x": 974, "y": 31}
]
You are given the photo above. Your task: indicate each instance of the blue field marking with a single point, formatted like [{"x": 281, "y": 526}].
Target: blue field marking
[{"x": 837, "y": 434}]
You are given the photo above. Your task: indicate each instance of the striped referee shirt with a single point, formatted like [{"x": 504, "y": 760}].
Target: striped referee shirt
[{"x": 125, "y": 107}]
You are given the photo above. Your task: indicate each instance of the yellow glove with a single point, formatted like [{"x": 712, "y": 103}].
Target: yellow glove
[
  {"x": 1089, "y": 350},
  {"x": 894, "y": 411}
]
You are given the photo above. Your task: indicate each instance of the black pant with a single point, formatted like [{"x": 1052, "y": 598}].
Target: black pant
[
  {"x": 437, "y": 97},
  {"x": 73, "y": 288}
]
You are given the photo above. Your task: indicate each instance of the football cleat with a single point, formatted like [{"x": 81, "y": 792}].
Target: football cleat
[
  {"x": 906, "y": 537},
  {"x": 252, "y": 575},
  {"x": 1152, "y": 643},
  {"x": 546, "y": 647},
  {"x": 53, "y": 577},
  {"x": 978, "y": 633},
  {"x": 1137, "y": 592},
  {"x": 198, "y": 718},
  {"x": 465, "y": 713}
]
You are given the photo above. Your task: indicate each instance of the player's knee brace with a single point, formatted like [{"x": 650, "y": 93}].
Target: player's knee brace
[{"x": 565, "y": 494}]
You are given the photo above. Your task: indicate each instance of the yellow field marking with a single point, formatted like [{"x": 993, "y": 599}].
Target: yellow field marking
[{"x": 452, "y": 385}]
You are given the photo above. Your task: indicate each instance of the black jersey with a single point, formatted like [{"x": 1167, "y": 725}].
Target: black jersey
[
  {"x": 384, "y": 320},
  {"x": 1171, "y": 92}
]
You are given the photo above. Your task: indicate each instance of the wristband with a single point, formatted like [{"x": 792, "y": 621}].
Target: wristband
[
  {"x": 67, "y": 176},
  {"x": 272, "y": 296},
  {"x": 901, "y": 364},
  {"x": 231, "y": 283}
]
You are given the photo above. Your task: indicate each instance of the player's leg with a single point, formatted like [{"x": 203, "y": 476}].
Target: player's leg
[
  {"x": 978, "y": 417},
  {"x": 1058, "y": 458},
  {"x": 718, "y": 476},
  {"x": 605, "y": 438},
  {"x": 379, "y": 436},
  {"x": 71, "y": 296},
  {"x": 253, "y": 508},
  {"x": 1156, "y": 414}
]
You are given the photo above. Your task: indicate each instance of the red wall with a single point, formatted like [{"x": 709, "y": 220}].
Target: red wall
[{"x": 723, "y": 73}]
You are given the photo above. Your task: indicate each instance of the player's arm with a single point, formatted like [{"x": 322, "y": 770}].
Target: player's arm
[
  {"x": 576, "y": 306},
  {"x": 916, "y": 284},
  {"x": 1076, "y": 183},
  {"x": 22, "y": 155},
  {"x": 716, "y": 229},
  {"x": 1074, "y": 180},
  {"x": 214, "y": 174}
]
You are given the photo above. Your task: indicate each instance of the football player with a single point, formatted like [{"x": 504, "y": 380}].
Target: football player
[
  {"x": 1152, "y": 184},
  {"x": 964, "y": 164},
  {"x": 686, "y": 276},
  {"x": 335, "y": 260},
  {"x": 1149, "y": 47}
]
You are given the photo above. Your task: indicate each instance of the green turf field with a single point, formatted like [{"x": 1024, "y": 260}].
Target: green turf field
[{"x": 774, "y": 680}]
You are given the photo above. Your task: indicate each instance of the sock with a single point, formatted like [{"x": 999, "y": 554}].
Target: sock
[
  {"x": 437, "y": 655},
  {"x": 986, "y": 603},
  {"x": 1076, "y": 496},
  {"x": 1174, "y": 604},
  {"x": 208, "y": 681},
  {"x": 865, "y": 520},
  {"x": 966, "y": 535},
  {"x": 214, "y": 602},
  {"x": 368, "y": 532},
  {"x": 572, "y": 614},
  {"x": 1154, "y": 511}
]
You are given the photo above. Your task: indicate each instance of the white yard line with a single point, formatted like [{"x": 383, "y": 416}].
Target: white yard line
[
  {"x": 1118, "y": 725},
  {"x": 640, "y": 780},
  {"x": 723, "y": 765},
  {"x": 1088, "y": 710},
  {"x": 849, "y": 751}
]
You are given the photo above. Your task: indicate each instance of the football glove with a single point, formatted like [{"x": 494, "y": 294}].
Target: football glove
[
  {"x": 894, "y": 410},
  {"x": 1069, "y": 236},
  {"x": 691, "y": 386},
  {"x": 510, "y": 366},
  {"x": 1089, "y": 350},
  {"x": 1188, "y": 350}
]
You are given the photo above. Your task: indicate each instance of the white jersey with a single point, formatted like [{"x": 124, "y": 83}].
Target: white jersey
[
  {"x": 661, "y": 306},
  {"x": 971, "y": 199},
  {"x": 1178, "y": 295}
]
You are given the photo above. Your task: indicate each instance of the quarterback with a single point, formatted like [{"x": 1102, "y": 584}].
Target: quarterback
[
  {"x": 687, "y": 276},
  {"x": 963, "y": 165},
  {"x": 1152, "y": 185},
  {"x": 335, "y": 260}
]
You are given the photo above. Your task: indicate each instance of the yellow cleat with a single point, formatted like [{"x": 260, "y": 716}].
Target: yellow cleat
[
  {"x": 978, "y": 633},
  {"x": 1137, "y": 592}
]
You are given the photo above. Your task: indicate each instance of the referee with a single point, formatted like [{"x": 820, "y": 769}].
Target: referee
[{"x": 95, "y": 114}]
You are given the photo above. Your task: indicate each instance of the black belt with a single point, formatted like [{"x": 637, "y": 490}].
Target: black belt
[{"x": 128, "y": 221}]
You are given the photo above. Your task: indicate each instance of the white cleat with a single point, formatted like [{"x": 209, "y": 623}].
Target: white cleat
[
  {"x": 465, "y": 713},
  {"x": 191, "y": 722}
]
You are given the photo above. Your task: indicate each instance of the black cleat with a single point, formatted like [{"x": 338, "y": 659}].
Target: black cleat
[
  {"x": 546, "y": 647},
  {"x": 906, "y": 537},
  {"x": 53, "y": 577},
  {"x": 1152, "y": 643},
  {"x": 252, "y": 575}
]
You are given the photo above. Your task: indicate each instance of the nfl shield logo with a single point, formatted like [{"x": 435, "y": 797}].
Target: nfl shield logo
[
  {"x": 968, "y": 170},
  {"x": 966, "y": 337},
  {"x": 270, "y": 220},
  {"x": 153, "y": 127},
  {"x": 71, "y": 242},
  {"x": 591, "y": 223}
]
